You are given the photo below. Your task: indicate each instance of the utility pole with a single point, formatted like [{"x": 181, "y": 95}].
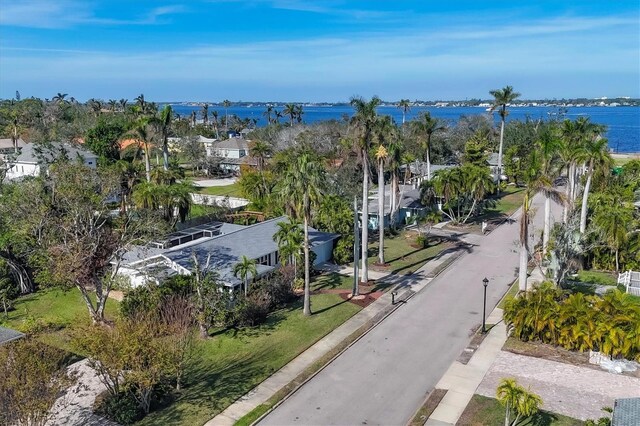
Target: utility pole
[{"x": 356, "y": 234}]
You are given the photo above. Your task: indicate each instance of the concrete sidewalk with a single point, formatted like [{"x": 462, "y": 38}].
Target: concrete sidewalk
[
  {"x": 461, "y": 381},
  {"x": 405, "y": 285}
]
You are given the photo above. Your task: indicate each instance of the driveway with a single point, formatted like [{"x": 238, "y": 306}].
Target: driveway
[{"x": 384, "y": 377}]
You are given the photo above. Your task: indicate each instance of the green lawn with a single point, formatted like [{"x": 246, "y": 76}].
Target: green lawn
[
  {"x": 597, "y": 277},
  {"x": 483, "y": 411},
  {"x": 511, "y": 293},
  {"x": 233, "y": 362},
  {"x": 401, "y": 257},
  {"x": 509, "y": 200},
  {"x": 332, "y": 281},
  {"x": 51, "y": 311},
  {"x": 232, "y": 190}
]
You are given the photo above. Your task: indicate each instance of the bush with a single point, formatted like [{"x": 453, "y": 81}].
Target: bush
[
  {"x": 121, "y": 408},
  {"x": 607, "y": 324},
  {"x": 421, "y": 241},
  {"x": 343, "y": 251},
  {"x": 147, "y": 299},
  {"x": 253, "y": 309},
  {"x": 279, "y": 287}
]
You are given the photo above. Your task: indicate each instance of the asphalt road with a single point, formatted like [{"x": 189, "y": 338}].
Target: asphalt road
[{"x": 384, "y": 377}]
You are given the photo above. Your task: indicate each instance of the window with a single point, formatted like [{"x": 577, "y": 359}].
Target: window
[{"x": 90, "y": 162}]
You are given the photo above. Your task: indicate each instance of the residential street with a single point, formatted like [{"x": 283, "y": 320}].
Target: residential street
[{"x": 384, "y": 377}]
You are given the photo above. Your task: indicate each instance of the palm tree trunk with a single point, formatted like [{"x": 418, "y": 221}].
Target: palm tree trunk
[
  {"x": 165, "y": 154},
  {"x": 547, "y": 223},
  {"x": 381, "y": 212},
  {"x": 394, "y": 197},
  {"x": 364, "y": 269},
  {"x": 428, "y": 161},
  {"x": 524, "y": 260},
  {"x": 147, "y": 162},
  {"x": 617, "y": 260},
  {"x": 585, "y": 199},
  {"x": 307, "y": 276},
  {"x": 246, "y": 286},
  {"x": 500, "y": 149}
]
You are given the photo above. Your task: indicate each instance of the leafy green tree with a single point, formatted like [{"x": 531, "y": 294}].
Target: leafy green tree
[
  {"x": 475, "y": 151},
  {"x": 243, "y": 269},
  {"x": 612, "y": 219},
  {"x": 462, "y": 191},
  {"x": 32, "y": 377},
  {"x": 302, "y": 186},
  {"x": 104, "y": 140},
  {"x": 502, "y": 98},
  {"x": 518, "y": 401}
]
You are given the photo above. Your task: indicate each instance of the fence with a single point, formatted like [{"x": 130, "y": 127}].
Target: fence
[{"x": 631, "y": 282}]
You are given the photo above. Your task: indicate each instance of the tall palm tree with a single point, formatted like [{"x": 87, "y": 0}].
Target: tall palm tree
[
  {"x": 141, "y": 103},
  {"x": 215, "y": 122},
  {"x": 405, "y": 106},
  {"x": 123, "y": 104},
  {"x": 363, "y": 122},
  {"x": 381, "y": 156},
  {"x": 243, "y": 269},
  {"x": 596, "y": 156},
  {"x": 143, "y": 136},
  {"x": 205, "y": 115},
  {"x": 226, "y": 104},
  {"x": 113, "y": 105},
  {"x": 290, "y": 110},
  {"x": 425, "y": 126},
  {"x": 59, "y": 98},
  {"x": 299, "y": 113},
  {"x": 267, "y": 113},
  {"x": 396, "y": 152},
  {"x": 163, "y": 124},
  {"x": 549, "y": 147},
  {"x": 502, "y": 97},
  {"x": 302, "y": 185},
  {"x": 278, "y": 116}
]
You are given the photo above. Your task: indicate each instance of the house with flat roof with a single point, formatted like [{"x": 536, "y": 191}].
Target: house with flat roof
[
  {"x": 34, "y": 158},
  {"x": 626, "y": 412},
  {"x": 8, "y": 148},
  {"x": 218, "y": 245}
]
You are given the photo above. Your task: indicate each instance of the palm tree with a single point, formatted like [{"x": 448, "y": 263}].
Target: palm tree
[
  {"x": 405, "y": 106},
  {"x": 549, "y": 147},
  {"x": 267, "y": 113},
  {"x": 502, "y": 97},
  {"x": 612, "y": 219},
  {"x": 113, "y": 105},
  {"x": 290, "y": 110},
  {"x": 396, "y": 152},
  {"x": 140, "y": 102},
  {"x": 425, "y": 126},
  {"x": 299, "y": 112},
  {"x": 381, "y": 155},
  {"x": 596, "y": 156},
  {"x": 215, "y": 122},
  {"x": 128, "y": 179},
  {"x": 59, "y": 98},
  {"x": 302, "y": 185},
  {"x": 260, "y": 151},
  {"x": 123, "y": 104},
  {"x": 517, "y": 400},
  {"x": 278, "y": 116},
  {"x": 289, "y": 238},
  {"x": 363, "y": 122},
  {"x": 226, "y": 104},
  {"x": 205, "y": 115},
  {"x": 163, "y": 123},
  {"x": 243, "y": 269},
  {"x": 143, "y": 136}
]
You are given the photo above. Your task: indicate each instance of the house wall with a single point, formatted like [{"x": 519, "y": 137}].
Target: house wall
[
  {"x": 22, "y": 169},
  {"x": 230, "y": 153},
  {"x": 324, "y": 252}
]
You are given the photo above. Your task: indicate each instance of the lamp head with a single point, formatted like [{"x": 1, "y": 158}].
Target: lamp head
[{"x": 485, "y": 281}]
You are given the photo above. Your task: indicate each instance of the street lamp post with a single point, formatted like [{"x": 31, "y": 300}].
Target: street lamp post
[{"x": 484, "y": 305}]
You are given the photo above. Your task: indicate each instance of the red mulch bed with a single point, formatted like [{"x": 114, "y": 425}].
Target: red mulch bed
[{"x": 364, "y": 300}]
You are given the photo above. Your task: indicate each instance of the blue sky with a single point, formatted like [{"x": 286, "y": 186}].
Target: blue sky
[{"x": 298, "y": 50}]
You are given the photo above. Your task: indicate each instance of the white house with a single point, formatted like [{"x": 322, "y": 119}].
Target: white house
[
  {"x": 221, "y": 245},
  {"x": 34, "y": 158}
]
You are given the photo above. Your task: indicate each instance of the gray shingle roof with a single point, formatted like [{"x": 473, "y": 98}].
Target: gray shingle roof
[
  {"x": 232, "y": 143},
  {"x": 36, "y": 153},
  {"x": 7, "y": 335},
  {"x": 409, "y": 199},
  {"x": 626, "y": 412}
]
